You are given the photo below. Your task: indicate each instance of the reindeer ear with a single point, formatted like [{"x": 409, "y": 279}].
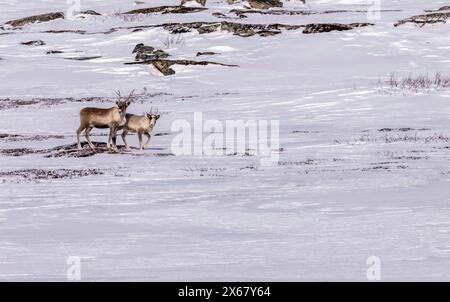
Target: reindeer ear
[
  {"x": 117, "y": 103},
  {"x": 128, "y": 103}
]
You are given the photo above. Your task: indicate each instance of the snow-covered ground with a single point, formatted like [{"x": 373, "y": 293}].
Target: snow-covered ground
[{"x": 364, "y": 170}]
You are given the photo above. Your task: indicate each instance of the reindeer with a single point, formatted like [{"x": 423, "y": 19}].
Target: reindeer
[
  {"x": 111, "y": 118},
  {"x": 140, "y": 124}
]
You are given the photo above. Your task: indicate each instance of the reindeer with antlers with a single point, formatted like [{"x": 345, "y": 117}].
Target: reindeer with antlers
[
  {"x": 111, "y": 118},
  {"x": 140, "y": 124}
]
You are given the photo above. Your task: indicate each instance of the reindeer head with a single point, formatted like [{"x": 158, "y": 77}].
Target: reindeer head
[
  {"x": 124, "y": 102},
  {"x": 153, "y": 116}
]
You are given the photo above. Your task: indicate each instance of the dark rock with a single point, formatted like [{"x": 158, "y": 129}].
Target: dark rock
[
  {"x": 268, "y": 33},
  {"x": 52, "y": 52},
  {"x": 422, "y": 20},
  {"x": 142, "y": 48},
  {"x": 277, "y": 12},
  {"x": 178, "y": 28},
  {"x": 34, "y": 43},
  {"x": 63, "y": 31},
  {"x": 265, "y": 4},
  {"x": 164, "y": 67},
  {"x": 206, "y": 53},
  {"x": 89, "y": 12},
  {"x": 206, "y": 29},
  {"x": 177, "y": 9},
  {"x": 34, "y": 19},
  {"x": 220, "y": 15},
  {"x": 201, "y": 2},
  {"x": 327, "y": 27},
  {"x": 145, "y": 53},
  {"x": 248, "y": 30},
  {"x": 84, "y": 58}
]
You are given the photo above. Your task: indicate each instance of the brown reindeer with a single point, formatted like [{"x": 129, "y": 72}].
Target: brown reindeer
[
  {"x": 140, "y": 124},
  {"x": 111, "y": 118}
]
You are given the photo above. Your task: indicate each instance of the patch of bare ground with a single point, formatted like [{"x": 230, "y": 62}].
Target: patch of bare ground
[
  {"x": 37, "y": 175},
  {"x": 404, "y": 157},
  {"x": 19, "y": 137},
  {"x": 17, "y": 151},
  {"x": 305, "y": 131},
  {"x": 100, "y": 148},
  {"x": 374, "y": 168},
  {"x": 209, "y": 172},
  {"x": 156, "y": 154},
  {"x": 308, "y": 161},
  {"x": 84, "y": 58},
  {"x": 71, "y": 150},
  {"x": 403, "y": 129},
  {"x": 279, "y": 12},
  {"x": 9, "y": 103},
  {"x": 65, "y": 31},
  {"x": 398, "y": 138}
]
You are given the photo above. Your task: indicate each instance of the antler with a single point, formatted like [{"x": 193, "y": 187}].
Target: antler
[
  {"x": 154, "y": 113},
  {"x": 118, "y": 94},
  {"x": 131, "y": 95}
]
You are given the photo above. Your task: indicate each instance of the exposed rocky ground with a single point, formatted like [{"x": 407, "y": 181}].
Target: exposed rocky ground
[
  {"x": 36, "y": 175},
  {"x": 422, "y": 20}
]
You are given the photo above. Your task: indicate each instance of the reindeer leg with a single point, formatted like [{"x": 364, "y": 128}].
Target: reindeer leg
[
  {"x": 124, "y": 138},
  {"x": 79, "y": 130},
  {"x": 114, "y": 138},
  {"x": 112, "y": 131},
  {"x": 149, "y": 136},
  {"x": 140, "y": 140},
  {"x": 87, "y": 132},
  {"x": 108, "y": 142}
]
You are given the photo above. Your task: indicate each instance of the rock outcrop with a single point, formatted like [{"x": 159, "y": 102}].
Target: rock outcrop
[
  {"x": 422, "y": 20},
  {"x": 239, "y": 29},
  {"x": 35, "y": 19},
  {"x": 265, "y": 4},
  {"x": 201, "y": 2},
  {"x": 176, "y": 9},
  {"x": 164, "y": 66},
  {"x": 327, "y": 27},
  {"x": 34, "y": 43},
  {"x": 145, "y": 53}
]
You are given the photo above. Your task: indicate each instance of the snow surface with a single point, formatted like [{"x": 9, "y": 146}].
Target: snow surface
[{"x": 343, "y": 190}]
